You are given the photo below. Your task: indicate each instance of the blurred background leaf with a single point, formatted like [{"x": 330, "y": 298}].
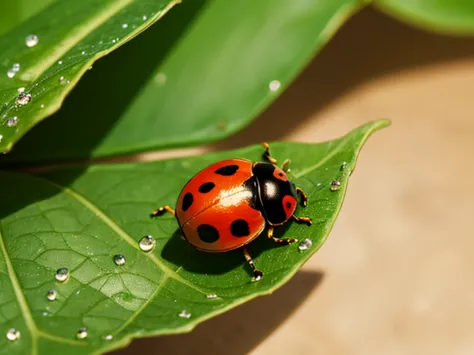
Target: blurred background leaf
[
  {"x": 444, "y": 16},
  {"x": 200, "y": 74}
]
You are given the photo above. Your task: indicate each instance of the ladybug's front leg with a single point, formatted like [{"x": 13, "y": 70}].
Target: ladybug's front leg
[
  {"x": 267, "y": 155},
  {"x": 278, "y": 240},
  {"x": 256, "y": 273},
  {"x": 162, "y": 210}
]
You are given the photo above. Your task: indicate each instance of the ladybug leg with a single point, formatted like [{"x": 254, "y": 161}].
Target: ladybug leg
[
  {"x": 304, "y": 198},
  {"x": 302, "y": 220},
  {"x": 257, "y": 274},
  {"x": 278, "y": 240},
  {"x": 162, "y": 210},
  {"x": 267, "y": 155}
]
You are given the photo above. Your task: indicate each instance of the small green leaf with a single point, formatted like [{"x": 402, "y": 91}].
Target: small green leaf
[
  {"x": 219, "y": 65},
  {"x": 80, "y": 219},
  {"x": 48, "y": 53},
  {"x": 444, "y": 16}
]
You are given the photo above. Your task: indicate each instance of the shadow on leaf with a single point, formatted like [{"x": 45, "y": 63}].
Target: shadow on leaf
[{"x": 181, "y": 253}]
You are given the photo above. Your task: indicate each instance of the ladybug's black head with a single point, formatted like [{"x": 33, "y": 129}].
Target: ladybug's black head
[{"x": 277, "y": 193}]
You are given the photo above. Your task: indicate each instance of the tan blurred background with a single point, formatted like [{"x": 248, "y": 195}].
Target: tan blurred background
[{"x": 396, "y": 275}]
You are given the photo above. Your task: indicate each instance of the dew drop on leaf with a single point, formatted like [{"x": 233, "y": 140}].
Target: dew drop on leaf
[
  {"x": 1, "y": 137},
  {"x": 12, "y": 121},
  {"x": 274, "y": 85},
  {"x": 108, "y": 337},
  {"x": 147, "y": 243},
  {"x": 81, "y": 333},
  {"x": 52, "y": 295},
  {"x": 343, "y": 165},
  {"x": 60, "y": 62},
  {"x": 119, "y": 259},
  {"x": 31, "y": 40},
  {"x": 305, "y": 244},
  {"x": 185, "y": 314},
  {"x": 16, "y": 67},
  {"x": 211, "y": 296},
  {"x": 13, "y": 334},
  {"x": 161, "y": 78},
  {"x": 125, "y": 25},
  {"x": 11, "y": 73},
  {"x": 62, "y": 274},
  {"x": 144, "y": 18},
  {"x": 335, "y": 185},
  {"x": 23, "y": 99}
]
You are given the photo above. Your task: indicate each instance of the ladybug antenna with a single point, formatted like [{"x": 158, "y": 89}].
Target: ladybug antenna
[{"x": 285, "y": 164}]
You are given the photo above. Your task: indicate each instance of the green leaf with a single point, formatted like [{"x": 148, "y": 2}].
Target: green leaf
[
  {"x": 80, "y": 218},
  {"x": 71, "y": 36},
  {"x": 444, "y": 16},
  {"x": 203, "y": 83}
]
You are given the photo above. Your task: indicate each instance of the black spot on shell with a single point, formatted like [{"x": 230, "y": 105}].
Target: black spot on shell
[
  {"x": 207, "y": 233},
  {"x": 206, "y": 187},
  {"x": 288, "y": 204},
  {"x": 228, "y": 170},
  {"x": 187, "y": 201},
  {"x": 240, "y": 228}
]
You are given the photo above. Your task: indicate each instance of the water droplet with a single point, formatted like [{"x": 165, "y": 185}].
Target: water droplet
[
  {"x": 274, "y": 85},
  {"x": 144, "y": 18},
  {"x": 305, "y": 244},
  {"x": 161, "y": 78},
  {"x": 52, "y": 295},
  {"x": 185, "y": 314},
  {"x": 125, "y": 25},
  {"x": 147, "y": 243},
  {"x": 13, "y": 334},
  {"x": 1, "y": 137},
  {"x": 16, "y": 67},
  {"x": 343, "y": 165},
  {"x": 83, "y": 52},
  {"x": 335, "y": 185},
  {"x": 108, "y": 337},
  {"x": 23, "y": 99},
  {"x": 60, "y": 62},
  {"x": 113, "y": 41},
  {"x": 20, "y": 90},
  {"x": 62, "y": 274},
  {"x": 81, "y": 333},
  {"x": 211, "y": 296},
  {"x": 42, "y": 106},
  {"x": 63, "y": 81},
  {"x": 119, "y": 259},
  {"x": 11, "y": 73},
  {"x": 12, "y": 121},
  {"x": 31, "y": 40},
  {"x": 45, "y": 314}
]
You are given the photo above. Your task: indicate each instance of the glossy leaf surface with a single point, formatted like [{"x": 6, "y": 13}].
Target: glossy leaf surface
[
  {"x": 52, "y": 49},
  {"x": 80, "y": 219}
]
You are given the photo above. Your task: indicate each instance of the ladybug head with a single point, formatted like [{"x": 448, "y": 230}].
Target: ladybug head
[{"x": 276, "y": 193}]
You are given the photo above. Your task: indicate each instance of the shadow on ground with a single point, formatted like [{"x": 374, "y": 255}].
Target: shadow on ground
[{"x": 237, "y": 331}]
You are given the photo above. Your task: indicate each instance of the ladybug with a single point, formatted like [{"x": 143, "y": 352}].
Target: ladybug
[{"x": 228, "y": 204}]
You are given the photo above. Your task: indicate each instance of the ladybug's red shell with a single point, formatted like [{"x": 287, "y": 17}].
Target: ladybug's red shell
[{"x": 216, "y": 208}]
